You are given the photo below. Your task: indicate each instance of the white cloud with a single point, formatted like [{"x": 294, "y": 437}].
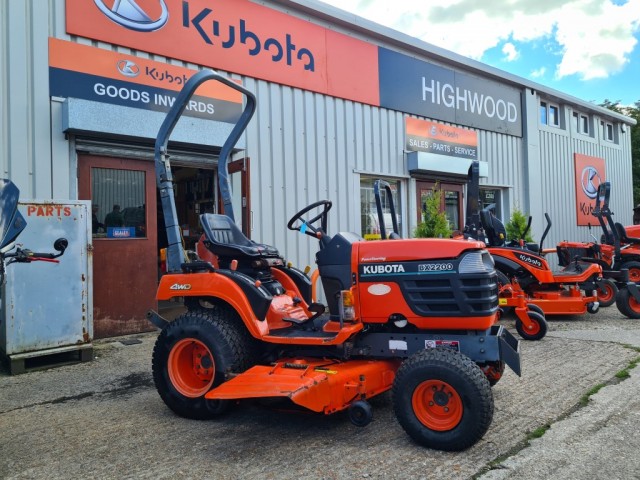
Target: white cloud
[
  {"x": 538, "y": 73},
  {"x": 510, "y": 52},
  {"x": 596, "y": 37}
]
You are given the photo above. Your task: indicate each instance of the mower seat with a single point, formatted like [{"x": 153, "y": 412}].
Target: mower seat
[
  {"x": 494, "y": 229},
  {"x": 622, "y": 234},
  {"x": 226, "y": 240}
]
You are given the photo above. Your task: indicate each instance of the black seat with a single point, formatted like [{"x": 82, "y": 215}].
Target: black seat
[
  {"x": 493, "y": 228},
  {"x": 226, "y": 240},
  {"x": 622, "y": 234}
]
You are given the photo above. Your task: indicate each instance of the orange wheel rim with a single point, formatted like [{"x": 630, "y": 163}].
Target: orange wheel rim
[
  {"x": 533, "y": 328},
  {"x": 606, "y": 293},
  {"x": 191, "y": 367},
  {"x": 634, "y": 274},
  {"x": 437, "y": 405},
  {"x": 633, "y": 303}
]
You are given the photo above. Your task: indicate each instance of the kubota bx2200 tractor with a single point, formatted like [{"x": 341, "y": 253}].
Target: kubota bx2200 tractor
[{"x": 416, "y": 316}]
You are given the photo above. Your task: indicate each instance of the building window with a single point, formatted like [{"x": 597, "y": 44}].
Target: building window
[
  {"x": 581, "y": 123},
  {"x": 549, "y": 114},
  {"x": 370, "y": 223},
  {"x": 607, "y": 131},
  {"x": 118, "y": 204},
  {"x": 491, "y": 196}
]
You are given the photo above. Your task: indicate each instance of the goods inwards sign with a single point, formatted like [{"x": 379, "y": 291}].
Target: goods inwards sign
[{"x": 90, "y": 73}]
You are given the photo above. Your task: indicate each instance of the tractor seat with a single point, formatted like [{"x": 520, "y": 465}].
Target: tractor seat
[
  {"x": 226, "y": 240},
  {"x": 493, "y": 228}
]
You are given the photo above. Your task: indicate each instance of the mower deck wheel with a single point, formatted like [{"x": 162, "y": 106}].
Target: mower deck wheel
[
  {"x": 607, "y": 292},
  {"x": 627, "y": 305},
  {"x": 442, "y": 399},
  {"x": 537, "y": 329},
  {"x": 193, "y": 354},
  {"x": 360, "y": 413},
  {"x": 634, "y": 270}
]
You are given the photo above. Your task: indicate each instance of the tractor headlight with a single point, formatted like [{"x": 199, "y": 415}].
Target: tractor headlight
[{"x": 477, "y": 262}]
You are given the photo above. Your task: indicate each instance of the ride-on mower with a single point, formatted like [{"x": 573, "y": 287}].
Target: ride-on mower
[
  {"x": 531, "y": 323},
  {"x": 618, "y": 255},
  {"x": 413, "y": 316},
  {"x": 570, "y": 291}
]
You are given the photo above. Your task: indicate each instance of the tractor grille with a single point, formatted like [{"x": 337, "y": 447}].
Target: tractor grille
[{"x": 452, "y": 295}]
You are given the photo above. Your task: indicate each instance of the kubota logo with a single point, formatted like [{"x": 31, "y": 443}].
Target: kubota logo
[
  {"x": 180, "y": 286},
  {"x": 530, "y": 260},
  {"x": 128, "y": 14},
  {"x": 378, "y": 269},
  {"x": 128, "y": 68},
  {"x": 589, "y": 187}
]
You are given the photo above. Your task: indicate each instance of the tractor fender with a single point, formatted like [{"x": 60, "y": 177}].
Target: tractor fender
[
  {"x": 250, "y": 300},
  {"x": 506, "y": 266}
]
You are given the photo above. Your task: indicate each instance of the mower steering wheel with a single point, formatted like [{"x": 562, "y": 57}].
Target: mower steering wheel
[{"x": 306, "y": 226}]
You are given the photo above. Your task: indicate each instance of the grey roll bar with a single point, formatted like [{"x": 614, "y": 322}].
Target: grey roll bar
[{"x": 164, "y": 179}]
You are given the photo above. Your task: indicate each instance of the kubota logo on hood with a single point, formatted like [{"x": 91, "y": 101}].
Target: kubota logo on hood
[{"x": 128, "y": 14}]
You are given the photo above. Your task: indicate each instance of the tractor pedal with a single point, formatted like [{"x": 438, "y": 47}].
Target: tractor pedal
[{"x": 297, "y": 321}]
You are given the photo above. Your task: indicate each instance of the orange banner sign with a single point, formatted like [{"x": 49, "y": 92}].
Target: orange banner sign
[
  {"x": 238, "y": 36},
  {"x": 590, "y": 173}
]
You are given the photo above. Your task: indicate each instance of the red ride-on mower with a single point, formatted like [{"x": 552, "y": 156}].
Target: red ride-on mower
[
  {"x": 417, "y": 317},
  {"x": 570, "y": 291},
  {"x": 618, "y": 255},
  {"x": 530, "y": 319}
]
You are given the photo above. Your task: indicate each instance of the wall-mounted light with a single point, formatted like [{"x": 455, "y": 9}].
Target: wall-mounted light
[{"x": 623, "y": 128}]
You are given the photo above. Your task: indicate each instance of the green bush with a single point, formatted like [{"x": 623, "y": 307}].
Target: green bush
[
  {"x": 516, "y": 226},
  {"x": 434, "y": 222}
]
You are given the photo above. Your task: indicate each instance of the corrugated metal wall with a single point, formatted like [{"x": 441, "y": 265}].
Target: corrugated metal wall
[
  {"x": 304, "y": 146},
  {"x": 558, "y": 190}
]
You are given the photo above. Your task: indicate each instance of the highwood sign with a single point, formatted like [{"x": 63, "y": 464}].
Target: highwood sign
[{"x": 247, "y": 38}]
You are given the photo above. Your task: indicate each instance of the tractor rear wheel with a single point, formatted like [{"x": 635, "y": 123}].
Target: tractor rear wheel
[
  {"x": 442, "y": 399},
  {"x": 607, "y": 292},
  {"x": 538, "y": 326},
  {"x": 627, "y": 305},
  {"x": 193, "y": 354}
]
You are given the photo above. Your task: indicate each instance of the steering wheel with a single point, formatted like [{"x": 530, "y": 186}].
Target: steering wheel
[{"x": 306, "y": 226}]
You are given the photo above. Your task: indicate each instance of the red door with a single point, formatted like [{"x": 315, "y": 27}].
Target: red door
[{"x": 125, "y": 257}]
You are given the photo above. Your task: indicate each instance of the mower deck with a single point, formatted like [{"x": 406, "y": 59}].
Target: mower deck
[{"x": 319, "y": 385}]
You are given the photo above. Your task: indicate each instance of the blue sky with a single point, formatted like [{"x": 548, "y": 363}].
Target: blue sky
[{"x": 586, "y": 48}]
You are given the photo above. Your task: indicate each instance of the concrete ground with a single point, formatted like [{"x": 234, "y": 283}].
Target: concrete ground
[{"x": 104, "y": 419}]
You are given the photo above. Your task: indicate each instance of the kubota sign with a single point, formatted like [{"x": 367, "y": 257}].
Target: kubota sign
[
  {"x": 238, "y": 36},
  {"x": 590, "y": 173}
]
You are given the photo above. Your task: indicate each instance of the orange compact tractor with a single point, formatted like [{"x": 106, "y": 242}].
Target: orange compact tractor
[{"x": 417, "y": 317}]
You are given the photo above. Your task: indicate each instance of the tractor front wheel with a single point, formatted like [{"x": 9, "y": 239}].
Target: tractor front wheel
[
  {"x": 536, "y": 331},
  {"x": 627, "y": 305},
  {"x": 607, "y": 291},
  {"x": 194, "y": 354},
  {"x": 442, "y": 399}
]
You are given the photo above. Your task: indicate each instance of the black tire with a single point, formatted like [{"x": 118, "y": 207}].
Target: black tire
[
  {"x": 607, "y": 292},
  {"x": 442, "y": 399},
  {"x": 627, "y": 304},
  {"x": 634, "y": 270},
  {"x": 180, "y": 382},
  {"x": 539, "y": 328},
  {"x": 504, "y": 280},
  {"x": 535, "y": 308}
]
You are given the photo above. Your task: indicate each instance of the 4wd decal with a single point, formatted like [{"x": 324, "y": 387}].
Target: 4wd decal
[
  {"x": 533, "y": 261},
  {"x": 180, "y": 286}
]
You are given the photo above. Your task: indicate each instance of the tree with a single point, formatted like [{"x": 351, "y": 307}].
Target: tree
[
  {"x": 434, "y": 222},
  {"x": 634, "y": 131},
  {"x": 516, "y": 226}
]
